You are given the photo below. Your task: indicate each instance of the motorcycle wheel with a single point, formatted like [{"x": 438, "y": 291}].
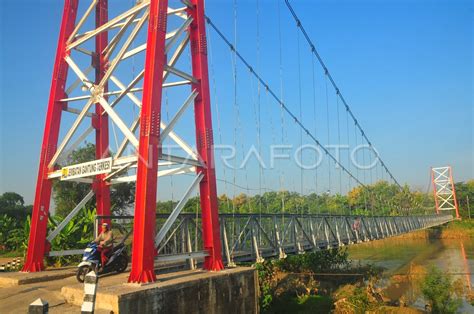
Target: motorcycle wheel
[
  {"x": 82, "y": 272},
  {"x": 121, "y": 263}
]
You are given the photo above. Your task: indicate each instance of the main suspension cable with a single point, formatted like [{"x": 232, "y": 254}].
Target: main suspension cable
[{"x": 278, "y": 100}]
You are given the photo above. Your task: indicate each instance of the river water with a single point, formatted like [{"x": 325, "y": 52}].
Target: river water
[{"x": 405, "y": 259}]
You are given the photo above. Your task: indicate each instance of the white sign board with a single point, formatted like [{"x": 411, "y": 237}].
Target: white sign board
[{"x": 87, "y": 169}]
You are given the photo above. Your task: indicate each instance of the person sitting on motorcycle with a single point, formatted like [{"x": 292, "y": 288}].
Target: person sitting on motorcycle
[{"x": 105, "y": 241}]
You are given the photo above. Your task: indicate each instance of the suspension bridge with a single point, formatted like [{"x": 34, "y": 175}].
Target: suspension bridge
[{"x": 146, "y": 81}]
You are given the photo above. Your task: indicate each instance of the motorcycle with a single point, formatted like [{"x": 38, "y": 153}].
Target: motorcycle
[{"x": 118, "y": 261}]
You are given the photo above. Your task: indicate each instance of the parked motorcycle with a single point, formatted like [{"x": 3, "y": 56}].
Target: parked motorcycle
[{"x": 117, "y": 262}]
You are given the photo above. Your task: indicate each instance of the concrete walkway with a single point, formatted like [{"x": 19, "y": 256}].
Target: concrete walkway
[
  {"x": 15, "y": 299},
  {"x": 15, "y": 278}
]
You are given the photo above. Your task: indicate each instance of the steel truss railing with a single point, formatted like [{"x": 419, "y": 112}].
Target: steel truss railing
[{"x": 254, "y": 237}]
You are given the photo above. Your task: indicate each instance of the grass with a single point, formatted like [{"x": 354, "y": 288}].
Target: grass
[
  {"x": 12, "y": 254},
  {"x": 463, "y": 224},
  {"x": 459, "y": 229}
]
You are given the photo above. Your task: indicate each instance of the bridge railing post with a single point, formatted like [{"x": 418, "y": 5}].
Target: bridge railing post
[
  {"x": 326, "y": 232},
  {"x": 230, "y": 262},
  {"x": 387, "y": 231},
  {"x": 313, "y": 236},
  {"x": 364, "y": 229},
  {"x": 281, "y": 252},
  {"x": 297, "y": 242},
  {"x": 338, "y": 236},
  {"x": 381, "y": 228},
  {"x": 351, "y": 234},
  {"x": 258, "y": 257},
  {"x": 374, "y": 221},
  {"x": 189, "y": 246}
]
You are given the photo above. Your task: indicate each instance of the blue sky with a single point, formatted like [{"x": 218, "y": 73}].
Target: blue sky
[{"x": 405, "y": 67}]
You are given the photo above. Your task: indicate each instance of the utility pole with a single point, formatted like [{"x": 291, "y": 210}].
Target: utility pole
[{"x": 468, "y": 208}]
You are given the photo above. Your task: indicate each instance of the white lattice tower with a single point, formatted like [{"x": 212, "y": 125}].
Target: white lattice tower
[{"x": 443, "y": 188}]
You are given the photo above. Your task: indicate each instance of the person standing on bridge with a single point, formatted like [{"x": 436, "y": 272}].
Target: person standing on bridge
[
  {"x": 105, "y": 240},
  {"x": 356, "y": 224}
]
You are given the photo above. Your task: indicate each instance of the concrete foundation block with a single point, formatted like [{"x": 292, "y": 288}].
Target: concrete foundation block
[{"x": 229, "y": 291}]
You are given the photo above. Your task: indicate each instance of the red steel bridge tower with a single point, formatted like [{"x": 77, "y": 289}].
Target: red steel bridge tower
[
  {"x": 93, "y": 56},
  {"x": 443, "y": 189}
]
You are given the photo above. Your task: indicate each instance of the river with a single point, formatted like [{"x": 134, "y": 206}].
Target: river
[{"x": 404, "y": 259}]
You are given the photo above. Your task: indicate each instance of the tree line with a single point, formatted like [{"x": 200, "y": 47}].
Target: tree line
[{"x": 380, "y": 198}]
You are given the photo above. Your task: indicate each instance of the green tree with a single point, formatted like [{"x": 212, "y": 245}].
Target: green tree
[
  {"x": 465, "y": 190},
  {"x": 11, "y": 200},
  {"x": 122, "y": 197},
  {"x": 67, "y": 194},
  {"x": 383, "y": 198},
  {"x": 13, "y": 205},
  {"x": 438, "y": 290},
  {"x": 380, "y": 198},
  {"x": 165, "y": 207}
]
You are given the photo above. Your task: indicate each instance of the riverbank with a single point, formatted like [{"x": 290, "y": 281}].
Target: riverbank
[
  {"x": 382, "y": 276},
  {"x": 305, "y": 284},
  {"x": 408, "y": 260},
  {"x": 457, "y": 229}
]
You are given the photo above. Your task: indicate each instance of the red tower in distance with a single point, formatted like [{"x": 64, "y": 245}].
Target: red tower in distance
[
  {"x": 144, "y": 31},
  {"x": 443, "y": 189}
]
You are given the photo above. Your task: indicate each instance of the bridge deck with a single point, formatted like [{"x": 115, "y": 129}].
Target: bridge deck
[{"x": 251, "y": 237}]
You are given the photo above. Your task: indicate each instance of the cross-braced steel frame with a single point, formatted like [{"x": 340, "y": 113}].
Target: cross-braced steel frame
[
  {"x": 443, "y": 189},
  {"x": 100, "y": 97},
  {"x": 254, "y": 237}
]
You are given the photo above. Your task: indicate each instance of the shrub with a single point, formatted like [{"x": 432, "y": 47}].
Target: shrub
[{"x": 438, "y": 290}]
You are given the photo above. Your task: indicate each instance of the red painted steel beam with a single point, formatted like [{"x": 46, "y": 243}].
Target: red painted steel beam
[
  {"x": 39, "y": 223},
  {"x": 454, "y": 192},
  {"x": 149, "y": 144},
  {"x": 101, "y": 121},
  {"x": 204, "y": 138}
]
